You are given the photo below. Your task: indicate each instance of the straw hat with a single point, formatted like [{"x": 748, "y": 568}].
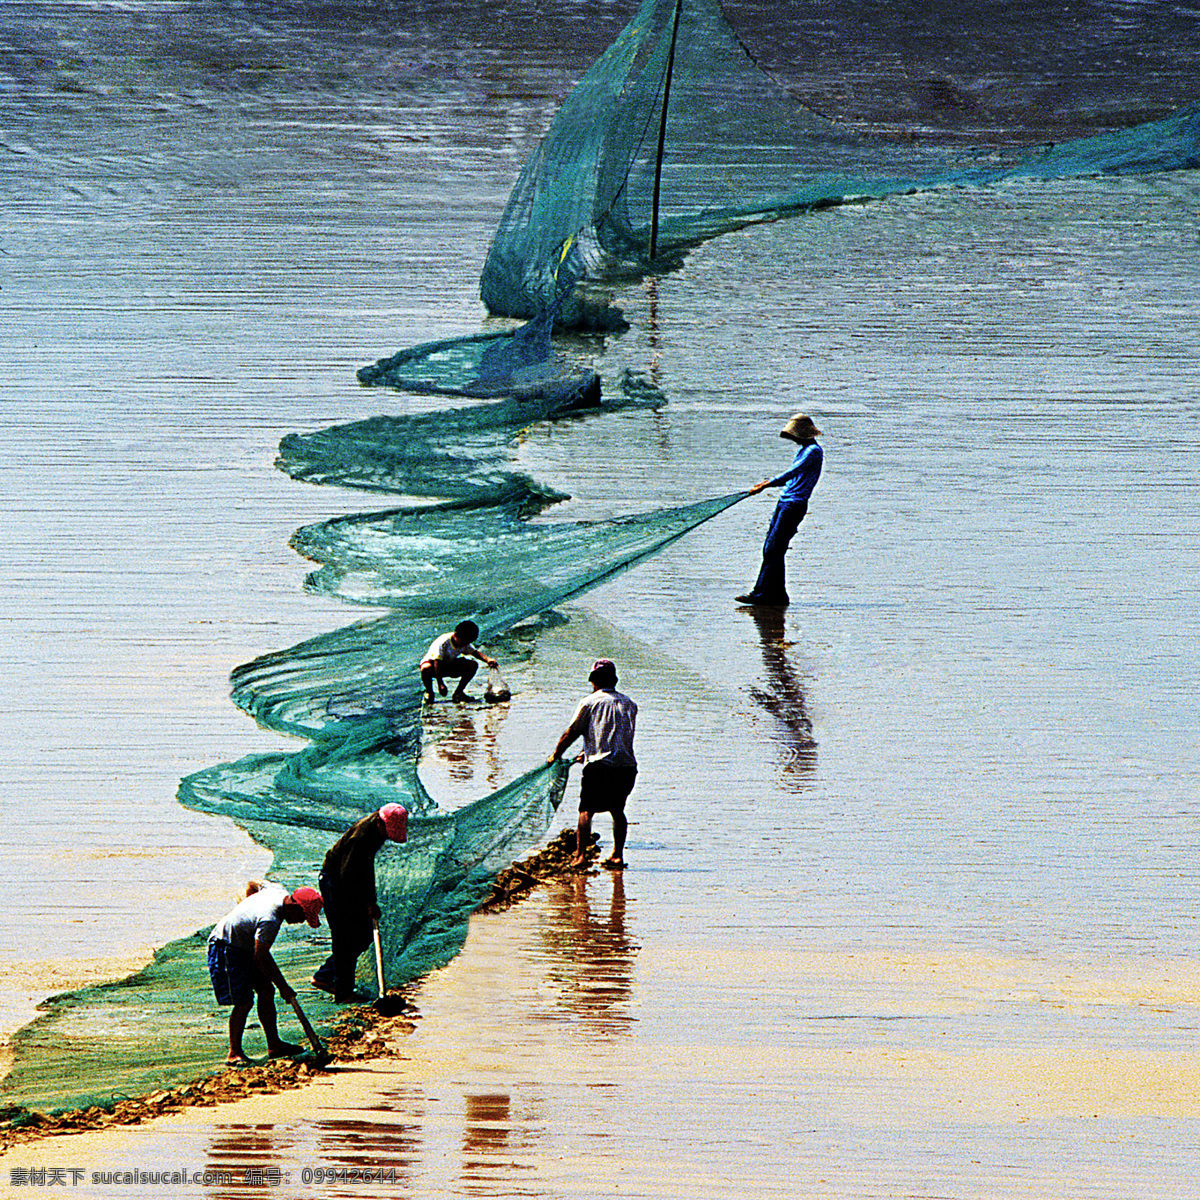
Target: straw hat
[{"x": 800, "y": 428}]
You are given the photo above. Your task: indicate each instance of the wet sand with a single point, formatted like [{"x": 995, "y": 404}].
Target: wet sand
[{"x": 558, "y": 1055}]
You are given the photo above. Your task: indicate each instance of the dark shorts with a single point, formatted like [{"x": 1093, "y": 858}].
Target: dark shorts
[
  {"x": 455, "y": 668},
  {"x": 232, "y": 972},
  {"x": 603, "y": 788}
]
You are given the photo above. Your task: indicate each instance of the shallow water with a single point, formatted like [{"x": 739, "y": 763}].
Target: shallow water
[{"x": 943, "y": 945}]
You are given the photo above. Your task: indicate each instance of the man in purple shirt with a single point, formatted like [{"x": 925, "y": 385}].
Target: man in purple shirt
[{"x": 798, "y": 482}]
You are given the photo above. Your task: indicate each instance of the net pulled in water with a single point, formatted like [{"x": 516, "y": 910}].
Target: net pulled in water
[
  {"x": 428, "y": 887},
  {"x": 354, "y": 695},
  {"x": 517, "y": 362},
  {"x": 369, "y": 670},
  {"x": 161, "y": 1027},
  {"x": 521, "y": 362},
  {"x": 494, "y": 563},
  {"x": 676, "y": 136},
  {"x": 463, "y": 453}
]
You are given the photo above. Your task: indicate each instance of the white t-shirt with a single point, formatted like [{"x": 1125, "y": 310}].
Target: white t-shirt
[
  {"x": 443, "y": 649},
  {"x": 257, "y": 918},
  {"x": 608, "y": 733}
]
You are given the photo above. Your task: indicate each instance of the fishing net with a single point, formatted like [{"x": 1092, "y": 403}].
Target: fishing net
[
  {"x": 369, "y": 670},
  {"x": 354, "y": 695},
  {"x": 427, "y": 887},
  {"x": 518, "y": 362},
  {"x": 434, "y": 563},
  {"x": 464, "y": 453},
  {"x": 675, "y": 136},
  {"x": 161, "y": 1027},
  {"x": 521, "y": 362}
]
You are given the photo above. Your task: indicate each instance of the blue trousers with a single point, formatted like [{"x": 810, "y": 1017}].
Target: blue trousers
[{"x": 769, "y": 587}]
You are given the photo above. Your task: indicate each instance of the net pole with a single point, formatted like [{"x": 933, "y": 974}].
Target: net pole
[{"x": 662, "y": 133}]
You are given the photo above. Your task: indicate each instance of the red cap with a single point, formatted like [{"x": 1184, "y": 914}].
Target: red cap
[
  {"x": 309, "y": 899},
  {"x": 395, "y": 821}
]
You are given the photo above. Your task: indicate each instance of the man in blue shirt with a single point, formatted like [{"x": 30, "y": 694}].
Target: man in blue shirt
[{"x": 798, "y": 480}]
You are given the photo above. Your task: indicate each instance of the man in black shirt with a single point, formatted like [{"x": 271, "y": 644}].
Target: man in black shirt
[{"x": 348, "y": 888}]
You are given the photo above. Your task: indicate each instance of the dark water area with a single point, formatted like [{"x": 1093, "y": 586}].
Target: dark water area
[
  {"x": 1028, "y": 71},
  {"x": 1034, "y": 70}
]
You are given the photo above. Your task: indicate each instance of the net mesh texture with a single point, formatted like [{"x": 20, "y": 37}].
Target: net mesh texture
[{"x": 354, "y": 695}]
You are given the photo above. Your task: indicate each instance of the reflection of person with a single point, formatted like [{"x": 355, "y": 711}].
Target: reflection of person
[
  {"x": 458, "y": 747},
  {"x": 590, "y": 953},
  {"x": 784, "y": 699},
  {"x": 445, "y": 657},
  {"x": 605, "y": 720},
  {"x": 241, "y": 966},
  {"x": 798, "y": 482},
  {"x": 348, "y": 888}
]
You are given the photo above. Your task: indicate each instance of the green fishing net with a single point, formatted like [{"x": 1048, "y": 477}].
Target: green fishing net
[
  {"x": 354, "y": 696},
  {"x": 676, "y": 136},
  {"x": 518, "y": 362},
  {"x": 398, "y": 559},
  {"x": 465, "y": 453},
  {"x": 161, "y": 1027},
  {"x": 369, "y": 670}
]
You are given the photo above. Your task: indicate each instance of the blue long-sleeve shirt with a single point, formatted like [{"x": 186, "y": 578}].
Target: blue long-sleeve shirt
[{"x": 801, "y": 477}]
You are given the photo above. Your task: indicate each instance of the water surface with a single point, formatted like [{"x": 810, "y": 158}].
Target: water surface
[{"x": 910, "y": 900}]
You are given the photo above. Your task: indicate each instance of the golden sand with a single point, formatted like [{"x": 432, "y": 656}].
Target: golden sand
[{"x": 877, "y": 1041}]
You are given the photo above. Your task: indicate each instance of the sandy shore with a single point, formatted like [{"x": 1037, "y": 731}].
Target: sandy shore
[{"x": 560, "y": 1052}]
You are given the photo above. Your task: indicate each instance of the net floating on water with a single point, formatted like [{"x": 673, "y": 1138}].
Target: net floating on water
[{"x": 675, "y": 136}]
